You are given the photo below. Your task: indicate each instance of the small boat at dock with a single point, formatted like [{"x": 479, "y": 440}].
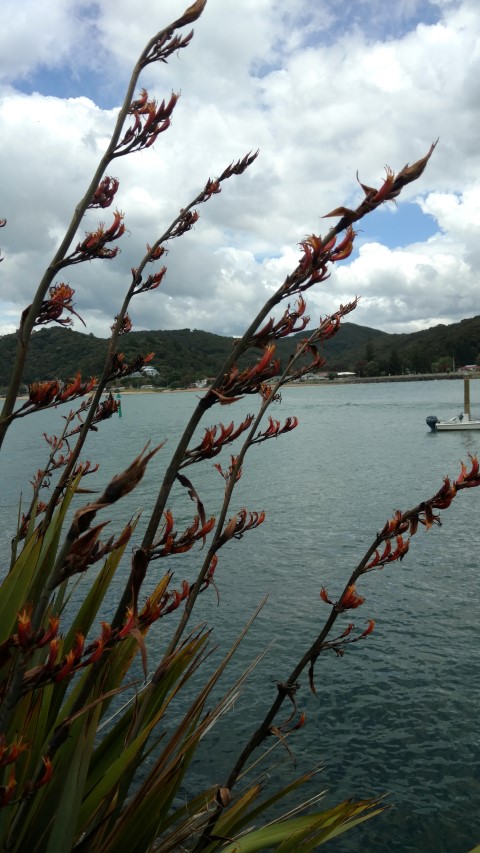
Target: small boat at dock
[{"x": 463, "y": 421}]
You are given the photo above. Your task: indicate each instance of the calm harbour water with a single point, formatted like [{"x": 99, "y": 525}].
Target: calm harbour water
[{"x": 399, "y": 713}]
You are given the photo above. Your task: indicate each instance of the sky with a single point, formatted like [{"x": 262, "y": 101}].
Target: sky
[{"x": 322, "y": 90}]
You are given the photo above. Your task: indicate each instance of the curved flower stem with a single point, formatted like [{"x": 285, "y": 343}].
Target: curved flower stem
[
  {"x": 311, "y": 655},
  {"x": 194, "y": 592},
  {"x": 58, "y": 259}
]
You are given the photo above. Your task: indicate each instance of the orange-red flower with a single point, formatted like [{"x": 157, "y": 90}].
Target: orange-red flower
[
  {"x": 7, "y": 791},
  {"x": 350, "y": 600},
  {"x": 149, "y": 120},
  {"x": 368, "y": 630},
  {"x": 67, "y": 667},
  {"x": 52, "y": 653},
  {"x": 50, "y": 633},
  {"x": 9, "y": 754},
  {"x": 240, "y": 523},
  {"x": 386, "y": 187},
  {"x": 126, "y": 325},
  {"x": 129, "y": 623},
  {"x": 152, "y": 282},
  {"x": 345, "y": 248},
  {"x": 47, "y": 772},
  {"x": 105, "y": 192},
  {"x": 43, "y": 393},
  {"x": 155, "y": 254},
  {"x": 24, "y": 627},
  {"x": 324, "y": 596},
  {"x": 95, "y": 243},
  {"x": 468, "y": 478}
]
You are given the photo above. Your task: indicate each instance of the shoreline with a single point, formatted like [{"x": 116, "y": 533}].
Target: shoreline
[{"x": 321, "y": 383}]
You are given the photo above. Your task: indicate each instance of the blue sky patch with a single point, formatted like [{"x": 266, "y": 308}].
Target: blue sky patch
[
  {"x": 397, "y": 227},
  {"x": 63, "y": 82}
]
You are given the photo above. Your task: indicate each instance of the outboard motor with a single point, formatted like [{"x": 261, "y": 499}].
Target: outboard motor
[{"x": 432, "y": 421}]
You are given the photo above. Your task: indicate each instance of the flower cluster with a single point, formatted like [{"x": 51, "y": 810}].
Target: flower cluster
[
  {"x": 318, "y": 253},
  {"x": 105, "y": 193},
  {"x": 51, "y": 392},
  {"x": 389, "y": 554},
  {"x": 345, "y": 638},
  {"x": 126, "y": 326},
  {"x": 25, "y": 637},
  {"x": 330, "y": 325},
  {"x": 42, "y": 481},
  {"x": 327, "y": 328},
  {"x": 173, "y": 543},
  {"x": 213, "y": 187},
  {"x": 349, "y": 600},
  {"x": 266, "y": 392},
  {"x": 286, "y": 728},
  {"x": 9, "y": 754},
  {"x": 55, "y": 668},
  {"x": 51, "y": 310},
  {"x": 105, "y": 410},
  {"x": 215, "y": 438},
  {"x": 249, "y": 381},
  {"x": 287, "y": 325},
  {"x": 394, "y": 548},
  {"x": 149, "y": 120},
  {"x": 424, "y": 514},
  {"x": 22, "y": 531},
  {"x": 275, "y": 428},
  {"x": 184, "y": 222},
  {"x": 390, "y": 189},
  {"x": 95, "y": 243},
  {"x": 239, "y": 524},
  {"x": 120, "y": 368},
  {"x": 85, "y": 547},
  {"x": 165, "y": 44},
  {"x": 87, "y": 550},
  {"x": 239, "y": 167},
  {"x": 151, "y": 283},
  {"x": 228, "y": 473}
]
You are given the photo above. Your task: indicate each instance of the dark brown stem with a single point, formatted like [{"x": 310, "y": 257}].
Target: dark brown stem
[
  {"x": 206, "y": 402},
  {"x": 195, "y": 591},
  {"x": 309, "y": 658}
]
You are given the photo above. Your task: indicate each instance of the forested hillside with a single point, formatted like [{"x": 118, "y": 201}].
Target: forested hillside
[{"x": 183, "y": 355}]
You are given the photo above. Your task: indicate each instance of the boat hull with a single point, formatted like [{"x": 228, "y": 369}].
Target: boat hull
[{"x": 451, "y": 426}]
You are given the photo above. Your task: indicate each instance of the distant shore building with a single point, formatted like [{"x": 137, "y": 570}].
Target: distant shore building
[{"x": 203, "y": 383}]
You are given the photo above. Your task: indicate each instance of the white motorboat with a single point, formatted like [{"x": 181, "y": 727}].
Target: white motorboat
[{"x": 462, "y": 421}]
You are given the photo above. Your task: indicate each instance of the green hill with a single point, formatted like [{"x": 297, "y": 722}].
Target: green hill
[{"x": 184, "y": 355}]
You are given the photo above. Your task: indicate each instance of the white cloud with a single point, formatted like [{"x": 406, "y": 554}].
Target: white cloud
[
  {"x": 320, "y": 100},
  {"x": 422, "y": 284},
  {"x": 42, "y": 32}
]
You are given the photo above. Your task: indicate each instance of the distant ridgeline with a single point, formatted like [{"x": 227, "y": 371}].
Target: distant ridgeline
[{"x": 183, "y": 356}]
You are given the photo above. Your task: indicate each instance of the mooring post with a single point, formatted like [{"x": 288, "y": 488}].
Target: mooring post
[{"x": 466, "y": 397}]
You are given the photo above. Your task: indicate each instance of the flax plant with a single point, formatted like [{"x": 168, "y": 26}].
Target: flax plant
[{"x": 83, "y": 767}]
